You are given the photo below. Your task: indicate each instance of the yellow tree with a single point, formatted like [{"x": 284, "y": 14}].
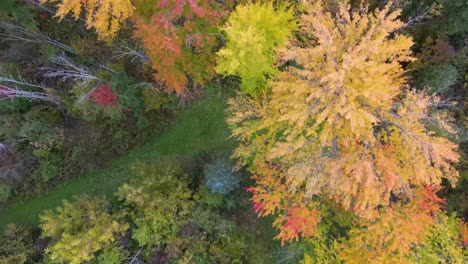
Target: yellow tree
[
  {"x": 105, "y": 16},
  {"x": 341, "y": 125},
  {"x": 79, "y": 229}
]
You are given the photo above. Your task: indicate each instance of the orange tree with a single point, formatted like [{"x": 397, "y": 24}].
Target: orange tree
[{"x": 340, "y": 124}]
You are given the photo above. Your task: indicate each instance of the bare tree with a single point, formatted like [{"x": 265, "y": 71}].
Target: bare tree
[
  {"x": 66, "y": 70},
  {"x": 134, "y": 54},
  {"x": 18, "y": 33},
  {"x": 15, "y": 90}
]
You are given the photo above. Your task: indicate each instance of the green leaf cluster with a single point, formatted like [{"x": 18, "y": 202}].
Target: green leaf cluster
[
  {"x": 253, "y": 33},
  {"x": 160, "y": 201},
  {"x": 444, "y": 244},
  {"x": 16, "y": 245}
]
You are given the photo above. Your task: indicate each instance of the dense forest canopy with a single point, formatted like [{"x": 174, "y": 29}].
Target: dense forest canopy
[{"x": 197, "y": 131}]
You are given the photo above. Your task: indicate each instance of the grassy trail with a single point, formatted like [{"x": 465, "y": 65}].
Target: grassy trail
[{"x": 199, "y": 128}]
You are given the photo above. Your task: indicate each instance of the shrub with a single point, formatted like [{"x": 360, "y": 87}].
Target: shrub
[
  {"x": 5, "y": 192},
  {"x": 159, "y": 196},
  {"x": 16, "y": 245},
  {"x": 437, "y": 78},
  {"x": 219, "y": 177}
]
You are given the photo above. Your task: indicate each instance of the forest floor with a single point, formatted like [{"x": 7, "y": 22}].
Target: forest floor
[{"x": 200, "y": 128}]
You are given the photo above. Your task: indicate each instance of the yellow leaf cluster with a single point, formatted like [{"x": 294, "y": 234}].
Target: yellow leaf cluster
[
  {"x": 105, "y": 16},
  {"x": 80, "y": 229}
]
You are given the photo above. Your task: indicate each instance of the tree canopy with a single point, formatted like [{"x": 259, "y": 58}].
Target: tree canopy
[{"x": 341, "y": 124}]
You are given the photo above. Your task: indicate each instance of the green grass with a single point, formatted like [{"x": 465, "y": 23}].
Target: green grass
[{"x": 199, "y": 128}]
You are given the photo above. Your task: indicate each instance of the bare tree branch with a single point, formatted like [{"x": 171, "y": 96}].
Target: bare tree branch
[{"x": 18, "y": 33}]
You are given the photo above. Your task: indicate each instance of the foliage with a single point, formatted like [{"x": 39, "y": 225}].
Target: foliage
[
  {"x": 253, "y": 33},
  {"x": 444, "y": 243},
  {"x": 179, "y": 37},
  {"x": 130, "y": 97},
  {"x": 399, "y": 228},
  {"x": 105, "y": 16},
  {"x": 5, "y": 192},
  {"x": 339, "y": 125},
  {"x": 101, "y": 103},
  {"x": 211, "y": 238},
  {"x": 17, "y": 11},
  {"x": 40, "y": 131},
  {"x": 323, "y": 247},
  {"x": 110, "y": 256},
  {"x": 434, "y": 69},
  {"x": 160, "y": 200},
  {"x": 12, "y": 167},
  {"x": 154, "y": 100},
  {"x": 104, "y": 97},
  {"x": 454, "y": 19},
  {"x": 46, "y": 138},
  {"x": 211, "y": 199},
  {"x": 219, "y": 177},
  {"x": 16, "y": 245},
  {"x": 438, "y": 78},
  {"x": 79, "y": 229}
]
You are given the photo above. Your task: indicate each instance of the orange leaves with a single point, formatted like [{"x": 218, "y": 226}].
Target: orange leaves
[
  {"x": 295, "y": 215},
  {"x": 429, "y": 202},
  {"x": 396, "y": 231},
  {"x": 179, "y": 37},
  {"x": 298, "y": 220},
  {"x": 389, "y": 238}
]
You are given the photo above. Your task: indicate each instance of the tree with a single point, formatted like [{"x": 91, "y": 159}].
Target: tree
[
  {"x": 80, "y": 229},
  {"x": 253, "y": 33},
  {"x": 105, "y": 16},
  {"x": 340, "y": 124},
  {"x": 160, "y": 200},
  {"x": 16, "y": 245},
  {"x": 179, "y": 37}
]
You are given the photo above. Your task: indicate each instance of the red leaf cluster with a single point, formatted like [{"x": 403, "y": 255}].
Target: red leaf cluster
[
  {"x": 430, "y": 202},
  {"x": 103, "y": 96}
]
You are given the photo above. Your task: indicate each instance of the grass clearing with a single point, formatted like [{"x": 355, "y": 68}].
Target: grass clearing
[{"x": 199, "y": 128}]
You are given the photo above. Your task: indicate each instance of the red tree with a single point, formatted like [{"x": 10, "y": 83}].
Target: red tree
[{"x": 103, "y": 96}]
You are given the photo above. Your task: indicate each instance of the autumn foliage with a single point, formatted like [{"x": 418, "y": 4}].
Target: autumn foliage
[
  {"x": 104, "y": 96},
  {"x": 105, "y": 16},
  {"x": 179, "y": 36},
  {"x": 343, "y": 125}
]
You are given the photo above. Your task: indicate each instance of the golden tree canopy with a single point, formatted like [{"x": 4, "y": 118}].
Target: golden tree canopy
[{"x": 104, "y": 16}]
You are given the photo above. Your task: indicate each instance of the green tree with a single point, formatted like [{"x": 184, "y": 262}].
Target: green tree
[
  {"x": 80, "y": 229},
  {"x": 16, "y": 245},
  {"x": 159, "y": 200},
  {"x": 253, "y": 32}
]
